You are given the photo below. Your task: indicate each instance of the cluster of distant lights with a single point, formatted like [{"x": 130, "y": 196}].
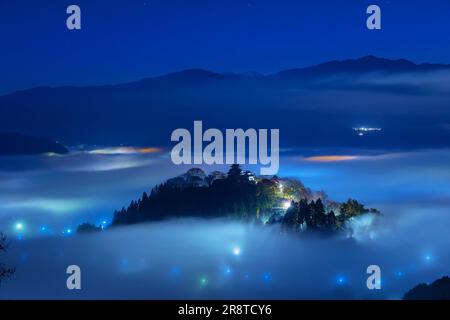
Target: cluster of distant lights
[
  {"x": 19, "y": 228},
  {"x": 363, "y": 130}
]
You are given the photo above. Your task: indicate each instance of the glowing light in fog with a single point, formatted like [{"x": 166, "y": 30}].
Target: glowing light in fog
[
  {"x": 341, "y": 280},
  {"x": 266, "y": 277},
  {"x": 203, "y": 281},
  {"x": 19, "y": 226},
  {"x": 400, "y": 274}
]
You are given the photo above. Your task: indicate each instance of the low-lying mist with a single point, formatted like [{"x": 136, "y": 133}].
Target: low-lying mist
[{"x": 216, "y": 259}]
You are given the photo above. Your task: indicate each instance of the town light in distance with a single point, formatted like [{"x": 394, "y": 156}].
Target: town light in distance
[{"x": 361, "y": 131}]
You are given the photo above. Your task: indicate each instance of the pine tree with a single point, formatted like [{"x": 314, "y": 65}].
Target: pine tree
[
  {"x": 304, "y": 211},
  {"x": 235, "y": 172},
  {"x": 291, "y": 218},
  {"x": 319, "y": 212},
  {"x": 331, "y": 217}
]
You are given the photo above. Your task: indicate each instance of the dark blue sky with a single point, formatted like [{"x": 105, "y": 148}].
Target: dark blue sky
[{"x": 123, "y": 40}]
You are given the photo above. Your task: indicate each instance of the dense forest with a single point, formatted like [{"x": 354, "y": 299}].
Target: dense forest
[{"x": 239, "y": 195}]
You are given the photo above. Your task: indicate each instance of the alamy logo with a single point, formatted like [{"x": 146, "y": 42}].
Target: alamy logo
[
  {"x": 73, "y": 21},
  {"x": 374, "y": 280},
  {"x": 74, "y": 280},
  {"x": 237, "y": 142},
  {"x": 374, "y": 20}
]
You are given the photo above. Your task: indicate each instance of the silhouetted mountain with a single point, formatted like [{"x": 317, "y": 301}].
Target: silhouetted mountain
[
  {"x": 362, "y": 65},
  {"x": 184, "y": 77},
  {"x": 242, "y": 196},
  {"x": 320, "y": 104},
  {"x": 14, "y": 144},
  {"x": 438, "y": 290}
]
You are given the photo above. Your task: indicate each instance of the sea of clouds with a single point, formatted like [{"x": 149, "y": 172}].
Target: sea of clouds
[{"x": 198, "y": 259}]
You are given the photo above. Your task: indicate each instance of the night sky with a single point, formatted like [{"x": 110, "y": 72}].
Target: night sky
[{"x": 123, "y": 40}]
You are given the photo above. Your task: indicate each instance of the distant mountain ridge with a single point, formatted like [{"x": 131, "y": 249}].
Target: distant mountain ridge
[
  {"x": 361, "y": 65},
  {"x": 365, "y": 64},
  {"x": 321, "y": 104}
]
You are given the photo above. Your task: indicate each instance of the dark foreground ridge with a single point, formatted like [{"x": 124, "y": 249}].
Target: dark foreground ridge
[{"x": 438, "y": 290}]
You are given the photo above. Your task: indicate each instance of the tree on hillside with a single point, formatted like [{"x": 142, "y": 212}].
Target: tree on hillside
[
  {"x": 294, "y": 189},
  {"x": 266, "y": 195},
  {"x": 290, "y": 220},
  {"x": 318, "y": 212},
  {"x": 235, "y": 172},
  {"x": 304, "y": 211},
  {"x": 331, "y": 220},
  {"x": 352, "y": 208},
  {"x": 87, "y": 227}
]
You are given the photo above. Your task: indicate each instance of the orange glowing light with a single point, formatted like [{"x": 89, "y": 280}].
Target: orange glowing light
[
  {"x": 125, "y": 150},
  {"x": 330, "y": 158}
]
